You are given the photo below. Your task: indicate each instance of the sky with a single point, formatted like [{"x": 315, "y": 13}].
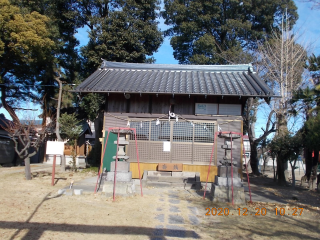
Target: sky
[{"x": 307, "y": 24}]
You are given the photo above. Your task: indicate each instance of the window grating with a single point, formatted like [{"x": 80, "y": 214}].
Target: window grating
[
  {"x": 142, "y": 130},
  {"x": 204, "y": 132},
  {"x": 182, "y": 132},
  {"x": 190, "y": 143}
]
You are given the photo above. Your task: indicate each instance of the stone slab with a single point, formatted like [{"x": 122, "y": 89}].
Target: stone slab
[
  {"x": 61, "y": 191},
  {"x": 77, "y": 191},
  {"x": 172, "y": 179},
  {"x": 235, "y": 200},
  {"x": 176, "y": 231},
  {"x": 176, "y": 219},
  {"x": 184, "y": 174},
  {"x": 194, "y": 220},
  {"x": 224, "y": 194},
  {"x": 122, "y": 188},
  {"x": 121, "y": 166},
  {"x": 224, "y": 171},
  {"x": 158, "y": 173},
  {"x": 224, "y": 181},
  {"x": 68, "y": 192},
  {"x": 121, "y": 176}
]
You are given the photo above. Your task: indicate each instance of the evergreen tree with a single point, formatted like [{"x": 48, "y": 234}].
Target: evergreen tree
[
  {"x": 122, "y": 31},
  {"x": 25, "y": 47},
  {"x": 217, "y": 31}
]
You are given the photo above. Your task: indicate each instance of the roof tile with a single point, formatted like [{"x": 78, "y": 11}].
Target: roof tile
[{"x": 176, "y": 79}]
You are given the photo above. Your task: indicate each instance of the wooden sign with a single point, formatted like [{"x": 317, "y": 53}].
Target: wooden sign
[{"x": 170, "y": 167}]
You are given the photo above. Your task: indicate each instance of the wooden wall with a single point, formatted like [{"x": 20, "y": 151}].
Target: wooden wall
[
  {"x": 183, "y": 104},
  {"x": 118, "y": 110}
]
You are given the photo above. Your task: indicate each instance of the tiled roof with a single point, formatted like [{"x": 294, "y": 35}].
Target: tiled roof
[{"x": 235, "y": 80}]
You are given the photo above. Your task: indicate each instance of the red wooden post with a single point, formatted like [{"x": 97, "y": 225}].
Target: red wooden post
[{"x": 53, "y": 170}]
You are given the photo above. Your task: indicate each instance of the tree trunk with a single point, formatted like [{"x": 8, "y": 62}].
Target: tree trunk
[
  {"x": 98, "y": 128},
  {"x": 254, "y": 161},
  {"x": 6, "y": 106},
  {"x": 274, "y": 170},
  {"x": 308, "y": 161},
  {"x": 293, "y": 166},
  {"x": 27, "y": 169},
  {"x": 282, "y": 124},
  {"x": 280, "y": 171},
  {"x": 62, "y": 157}
]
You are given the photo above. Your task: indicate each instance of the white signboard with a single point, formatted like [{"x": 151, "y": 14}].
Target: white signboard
[
  {"x": 207, "y": 108},
  {"x": 166, "y": 146},
  {"x": 55, "y": 148}
]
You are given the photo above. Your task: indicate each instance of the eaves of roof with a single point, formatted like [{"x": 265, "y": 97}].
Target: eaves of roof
[{"x": 225, "y": 80}]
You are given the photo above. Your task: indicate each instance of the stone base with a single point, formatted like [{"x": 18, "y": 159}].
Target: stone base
[
  {"x": 121, "y": 176},
  {"x": 224, "y": 194},
  {"x": 121, "y": 166},
  {"x": 158, "y": 173},
  {"x": 228, "y": 146},
  {"x": 122, "y": 188},
  {"x": 224, "y": 171},
  {"x": 224, "y": 181},
  {"x": 121, "y": 157}
]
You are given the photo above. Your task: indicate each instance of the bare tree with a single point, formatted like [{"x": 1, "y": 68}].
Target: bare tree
[
  {"x": 249, "y": 117},
  {"x": 281, "y": 61},
  {"x": 315, "y": 3},
  {"x": 27, "y": 140}
]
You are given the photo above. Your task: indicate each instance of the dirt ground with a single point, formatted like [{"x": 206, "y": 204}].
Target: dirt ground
[{"x": 33, "y": 210}]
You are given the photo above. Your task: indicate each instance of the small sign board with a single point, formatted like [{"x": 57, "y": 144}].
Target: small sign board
[
  {"x": 55, "y": 148},
  {"x": 170, "y": 167},
  {"x": 166, "y": 146},
  {"x": 206, "y": 108}
]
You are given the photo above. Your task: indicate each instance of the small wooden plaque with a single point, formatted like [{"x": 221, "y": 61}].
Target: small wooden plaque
[{"x": 170, "y": 167}]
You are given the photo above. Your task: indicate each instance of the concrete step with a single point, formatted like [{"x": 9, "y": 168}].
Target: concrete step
[
  {"x": 195, "y": 185},
  {"x": 158, "y": 173},
  {"x": 169, "y": 179}
]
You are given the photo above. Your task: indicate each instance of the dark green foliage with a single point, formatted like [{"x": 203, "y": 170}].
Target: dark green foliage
[
  {"x": 308, "y": 99},
  {"x": 25, "y": 47},
  {"x": 69, "y": 126},
  {"x": 91, "y": 104},
  {"x": 312, "y": 128},
  {"x": 61, "y": 59},
  {"x": 222, "y": 31},
  {"x": 122, "y": 31},
  {"x": 286, "y": 148}
]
